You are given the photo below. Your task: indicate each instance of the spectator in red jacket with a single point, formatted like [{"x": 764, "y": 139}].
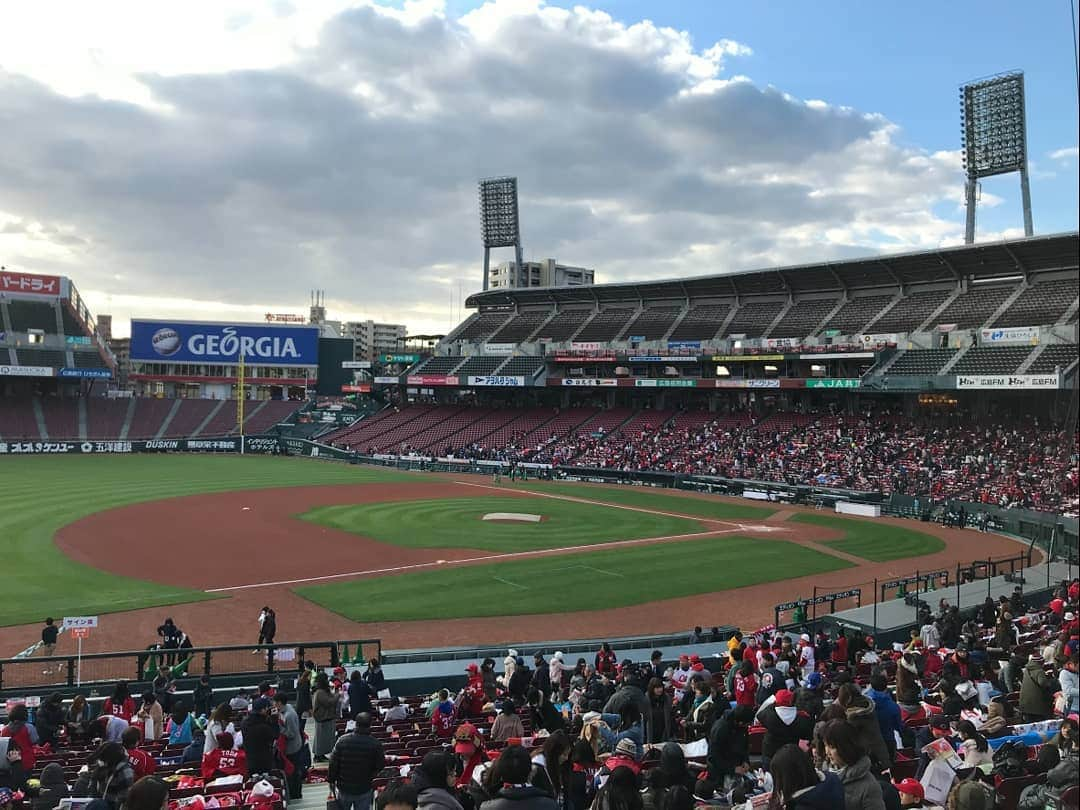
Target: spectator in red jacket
[
  {"x": 19, "y": 733},
  {"x": 605, "y": 660},
  {"x": 745, "y": 684},
  {"x": 224, "y": 760},
  {"x": 121, "y": 704},
  {"x": 142, "y": 763}
]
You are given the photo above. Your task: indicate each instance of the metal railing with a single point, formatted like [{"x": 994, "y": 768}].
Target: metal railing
[{"x": 140, "y": 666}]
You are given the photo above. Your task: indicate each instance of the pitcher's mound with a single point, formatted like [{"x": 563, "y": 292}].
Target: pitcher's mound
[{"x": 513, "y": 517}]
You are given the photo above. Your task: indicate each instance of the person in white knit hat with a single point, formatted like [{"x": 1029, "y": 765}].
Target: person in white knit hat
[
  {"x": 556, "y": 668},
  {"x": 509, "y": 663}
]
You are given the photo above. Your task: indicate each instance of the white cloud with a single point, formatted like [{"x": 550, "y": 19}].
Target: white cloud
[
  {"x": 243, "y": 152},
  {"x": 1068, "y": 153}
]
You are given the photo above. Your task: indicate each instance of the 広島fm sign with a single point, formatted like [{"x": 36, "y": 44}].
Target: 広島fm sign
[{"x": 196, "y": 342}]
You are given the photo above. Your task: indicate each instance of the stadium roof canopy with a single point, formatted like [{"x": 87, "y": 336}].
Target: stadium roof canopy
[{"x": 989, "y": 260}]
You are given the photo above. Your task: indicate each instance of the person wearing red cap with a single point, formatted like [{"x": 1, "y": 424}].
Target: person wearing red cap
[
  {"x": 784, "y": 724},
  {"x": 473, "y": 703},
  {"x": 912, "y": 793},
  {"x": 469, "y": 747}
]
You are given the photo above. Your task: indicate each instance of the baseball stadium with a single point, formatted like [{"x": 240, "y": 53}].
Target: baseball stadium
[{"x": 832, "y": 453}]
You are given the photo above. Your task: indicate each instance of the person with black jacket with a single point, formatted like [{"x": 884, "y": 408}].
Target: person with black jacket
[
  {"x": 359, "y": 695},
  {"x": 541, "y": 678},
  {"x": 515, "y": 765},
  {"x": 519, "y": 681},
  {"x": 49, "y": 718},
  {"x": 729, "y": 745},
  {"x": 170, "y": 638},
  {"x": 355, "y": 761},
  {"x": 784, "y": 725},
  {"x": 374, "y": 677},
  {"x": 544, "y": 715},
  {"x": 260, "y": 734}
]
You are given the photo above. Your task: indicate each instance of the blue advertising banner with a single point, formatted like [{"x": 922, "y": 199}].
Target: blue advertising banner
[
  {"x": 85, "y": 373},
  {"x": 683, "y": 344},
  {"x": 196, "y": 342}
]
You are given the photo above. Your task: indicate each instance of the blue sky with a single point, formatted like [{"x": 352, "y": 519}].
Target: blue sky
[{"x": 905, "y": 61}]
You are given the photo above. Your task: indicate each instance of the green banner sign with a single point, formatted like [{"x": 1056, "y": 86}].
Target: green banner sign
[
  {"x": 400, "y": 358},
  {"x": 846, "y": 382}
]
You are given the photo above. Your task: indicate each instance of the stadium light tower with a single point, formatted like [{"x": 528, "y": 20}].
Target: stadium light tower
[
  {"x": 499, "y": 224},
  {"x": 995, "y": 138}
]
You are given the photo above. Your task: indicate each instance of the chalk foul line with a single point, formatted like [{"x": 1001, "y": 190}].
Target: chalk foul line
[{"x": 509, "y": 555}]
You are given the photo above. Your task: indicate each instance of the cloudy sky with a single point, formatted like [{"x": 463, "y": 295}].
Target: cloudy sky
[{"x": 220, "y": 159}]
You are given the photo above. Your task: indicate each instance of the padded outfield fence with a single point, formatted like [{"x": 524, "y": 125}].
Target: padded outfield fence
[{"x": 257, "y": 662}]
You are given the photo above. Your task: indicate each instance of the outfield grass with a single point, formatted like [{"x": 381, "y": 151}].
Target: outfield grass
[
  {"x": 591, "y": 580},
  {"x": 651, "y": 498},
  {"x": 457, "y": 523},
  {"x": 40, "y": 494},
  {"x": 878, "y": 542}
]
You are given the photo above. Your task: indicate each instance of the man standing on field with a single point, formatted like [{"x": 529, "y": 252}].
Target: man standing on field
[{"x": 49, "y": 634}]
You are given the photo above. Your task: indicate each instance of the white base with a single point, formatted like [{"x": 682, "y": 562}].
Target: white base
[{"x": 516, "y": 516}]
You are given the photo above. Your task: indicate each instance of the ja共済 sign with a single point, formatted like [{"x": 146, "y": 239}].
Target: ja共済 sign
[
  {"x": 826, "y": 382},
  {"x": 197, "y": 342}
]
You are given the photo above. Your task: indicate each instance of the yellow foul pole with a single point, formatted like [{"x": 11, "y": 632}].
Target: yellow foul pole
[{"x": 240, "y": 398}]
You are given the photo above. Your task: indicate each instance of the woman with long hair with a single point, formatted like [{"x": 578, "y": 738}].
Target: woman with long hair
[
  {"x": 660, "y": 712},
  {"x": 620, "y": 792},
  {"x": 77, "y": 718},
  {"x": 797, "y": 785},
  {"x": 551, "y": 767},
  {"x": 220, "y": 722},
  {"x": 324, "y": 711},
  {"x": 973, "y": 746},
  {"x": 152, "y": 717},
  {"x": 848, "y": 756},
  {"x": 433, "y": 780},
  {"x": 584, "y": 768},
  {"x": 120, "y": 704},
  {"x": 303, "y": 690}
]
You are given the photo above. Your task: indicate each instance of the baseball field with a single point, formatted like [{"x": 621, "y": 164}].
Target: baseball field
[{"x": 341, "y": 549}]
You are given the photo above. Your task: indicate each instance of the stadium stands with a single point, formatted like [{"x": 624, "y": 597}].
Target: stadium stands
[
  {"x": 701, "y": 322},
  {"x": 563, "y": 324},
  {"x": 921, "y": 361},
  {"x": 605, "y": 325},
  {"x": 856, "y": 313},
  {"x": 520, "y": 326},
  {"x": 1058, "y": 355},
  {"x": 974, "y": 307},
  {"x": 438, "y": 365},
  {"x": 105, "y": 417},
  {"x": 482, "y": 326},
  {"x": 40, "y": 357},
  {"x": 909, "y": 312},
  {"x": 1041, "y": 303},
  {"x": 803, "y": 318},
  {"x": 26, "y": 315},
  {"x": 991, "y": 360},
  {"x": 18, "y": 421},
  {"x": 653, "y": 323},
  {"x": 480, "y": 365},
  {"x": 149, "y": 416},
  {"x": 61, "y": 419},
  {"x": 523, "y": 366},
  {"x": 753, "y": 319}
]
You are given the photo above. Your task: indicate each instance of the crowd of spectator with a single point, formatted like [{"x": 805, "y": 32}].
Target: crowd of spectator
[
  {"x": 795, "y": 720},
  {"x": 1021, "y": 462}
]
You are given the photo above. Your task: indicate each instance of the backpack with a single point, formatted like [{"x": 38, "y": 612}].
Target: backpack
[{"x": 1009, "y": 760}]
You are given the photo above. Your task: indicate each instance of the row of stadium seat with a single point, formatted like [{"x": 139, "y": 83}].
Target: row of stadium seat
[
  {"x": 146, "y": 418},
  {"x": 1039, "y": 304}
]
